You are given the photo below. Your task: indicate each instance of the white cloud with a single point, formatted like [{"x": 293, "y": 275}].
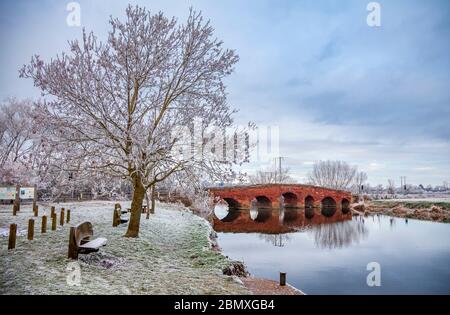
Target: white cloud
[{"x": 423, "y": 168}]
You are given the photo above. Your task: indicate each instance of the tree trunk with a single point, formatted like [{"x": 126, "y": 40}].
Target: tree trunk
[
  {"x": 152, "y": 209},
  {"x": 148, "y": 205},
  {"x": 136, "y": 207}
]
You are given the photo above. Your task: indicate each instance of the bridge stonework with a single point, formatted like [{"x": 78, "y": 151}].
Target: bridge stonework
[{"x": 293, "y": 194}]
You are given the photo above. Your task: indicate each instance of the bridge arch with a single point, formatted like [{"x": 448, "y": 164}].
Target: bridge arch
[
  {"x": 263, "y": 202},
  {"x": 290, "y": 215},
  {"x": 260, "y": 215},
  {"x": 309, "y": 202},
  {"x": 309, "y": 207},
  {"x": 232, "y": 203},
  {"x": 345, "y": 206},
  {"x": 232, "y": 215},
  {"x": 290, "y": 200},
  {"x": 328, "y": 206},
  {"x": 223, "y": 212}
]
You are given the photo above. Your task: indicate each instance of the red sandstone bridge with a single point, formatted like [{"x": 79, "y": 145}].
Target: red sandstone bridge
[
  {"x": 286, "y": 195},
  {"x": 273, "y": 207}
]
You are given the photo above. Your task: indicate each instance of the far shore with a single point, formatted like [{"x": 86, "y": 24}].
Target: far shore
[{"x": 428, "y": 210}]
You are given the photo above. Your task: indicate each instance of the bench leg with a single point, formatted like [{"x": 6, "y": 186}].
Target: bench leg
[
  {"x": 115, "y": 218},
  {"x": 73, "y": 248}
]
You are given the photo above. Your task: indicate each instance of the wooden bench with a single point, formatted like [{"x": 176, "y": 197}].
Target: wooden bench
[{"x": 80, "y": 240}]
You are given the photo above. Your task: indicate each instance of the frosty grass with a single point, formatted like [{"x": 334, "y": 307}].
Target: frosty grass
[{"x": 171, "y": 256}]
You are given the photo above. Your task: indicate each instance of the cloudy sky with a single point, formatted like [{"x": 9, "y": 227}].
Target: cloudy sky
[{"x": 377, "y": 97}]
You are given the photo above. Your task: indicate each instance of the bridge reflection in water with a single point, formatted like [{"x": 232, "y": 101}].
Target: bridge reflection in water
[{"x": 330, "y": 226}]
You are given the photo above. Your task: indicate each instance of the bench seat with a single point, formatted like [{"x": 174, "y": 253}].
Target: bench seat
[{"x": 94, "y": 244}]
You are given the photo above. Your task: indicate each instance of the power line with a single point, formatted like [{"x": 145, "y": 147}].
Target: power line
[{"x": 280, "y": 158}]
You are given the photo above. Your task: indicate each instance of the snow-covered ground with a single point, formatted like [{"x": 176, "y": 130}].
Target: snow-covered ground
[
  {"x": 171, "y": 256},
  {"x": 420, "y": 199}
]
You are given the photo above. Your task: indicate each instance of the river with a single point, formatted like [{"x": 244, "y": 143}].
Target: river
[{"x": 330, "y": 255}]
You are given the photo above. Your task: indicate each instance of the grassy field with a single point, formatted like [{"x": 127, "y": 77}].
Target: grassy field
[
  {"x": 413, "y": 204},
  {"x": 171, "y": 256}
]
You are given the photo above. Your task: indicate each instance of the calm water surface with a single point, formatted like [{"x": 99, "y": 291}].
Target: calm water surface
[{"x": 330, "y": 255}]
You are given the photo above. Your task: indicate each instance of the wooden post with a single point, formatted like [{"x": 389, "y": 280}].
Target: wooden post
[
  {"x": 73, "y": 250},
  {"x": 12, "y": 236},
  {"x": 68, "y": 216},
  {"x": 35, "y": 200},
  {"x": 16, "y": 206},
  {"x": 115, "y": 218},
  {"x": 61, "y": 217},
  {"x": 54, "y": 222},
  {"x": 282, "y": 278},
  {"x": 36, "y": 211},
  {"x": 30, "y": 229},
  {"x": 52, "y": 211},
  {"x": 44, "y": 224}
]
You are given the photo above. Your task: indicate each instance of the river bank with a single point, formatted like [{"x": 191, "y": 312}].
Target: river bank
[
  {"x": 173, "y": 255},
  {"x": 421, "y": 210}
]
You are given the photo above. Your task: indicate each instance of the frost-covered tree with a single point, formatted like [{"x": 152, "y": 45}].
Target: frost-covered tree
[
  {"x": 192, "y": 185},
  {"x": 114, "y": 104},
  {"x": 380, "y": 188},
  {"x": 16, "y": 142},
  {"x": 391, "y": 187},
  {"x": 29, "y": 155},
  {"x": 360, "y": 182},
  {"x": 271, "y": 176},
  {"x": 332, "y": 174}
]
